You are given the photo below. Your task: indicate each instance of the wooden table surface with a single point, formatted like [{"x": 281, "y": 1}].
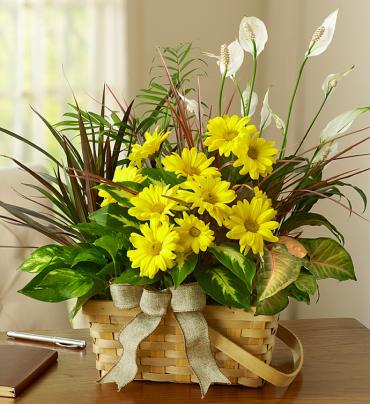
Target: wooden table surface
[{"x": 336, "y": 370}]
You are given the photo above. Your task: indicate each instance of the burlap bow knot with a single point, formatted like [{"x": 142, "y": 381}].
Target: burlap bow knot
[{"x": 187, "y": 303}]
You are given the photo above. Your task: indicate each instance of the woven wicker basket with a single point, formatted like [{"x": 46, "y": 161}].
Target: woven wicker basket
[{"x": 161, "y": 356}]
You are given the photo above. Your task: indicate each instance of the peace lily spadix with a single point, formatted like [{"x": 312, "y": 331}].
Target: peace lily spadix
[
  {"x": 327, "y": 151},
  {"x": 267, "y": 115},
  {"x": 323, "y": 35},
  {"x": 252, "y": 35},
  {"x": 341, "y": 123},
  {"x": 253, "y": 103},
  {"x": 332, "y": 80},
  {"x": 230, "y": 58}
]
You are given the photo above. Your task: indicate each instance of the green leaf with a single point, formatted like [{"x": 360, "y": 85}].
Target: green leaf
[
  {"x": 309, "y": 219},
  {"x": 46, "y": 256},
  {"x": 223, "y": 286},
  {"x": 240, "y": 265},
  {"x": 132, "y": 277},
  {"x": 114, "y": 216},
  {"x": 93, "y": 229},
  {"x": 297, "y": 294},
  {"x": 306, "y": 283},
  {"x": 273, "y": 305},
  {"x": 279, "y": 270},
  {"x": 90, "y": 255},
  {"x": 180, "y": 272},
  {"x": 58, "y": 285},
  {"x": 98, "y": 287},
  {"x": 328, "y": 259},
  {"x": 157, "y": 175},
  {"x": 110, "y": 244}
]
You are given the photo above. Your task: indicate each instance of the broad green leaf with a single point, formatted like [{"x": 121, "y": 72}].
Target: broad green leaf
[
  {"x": 297, "y": 294},
  {"x": 160, "y": 176},
  {"x": 58, "y": 285},
  {"x": 93, "y": 229},
  {"x": 106, "y": 271},
  {"x": 328, "y": 259},
  {"x": 306, "y": 283},
  {"x": 241, "y": 266},
  {"x": 98, "y": 287},
  {"x": 279, "y": 270},
  {"x": 180, "y": 272},
  {"x": 223, "y": 286},
  {"x": 114, "y": 216},
  {"x": 132, "y": 276},
  {"x": 110, "y": 244},
  {"x": 273, "y": 305},
  {"x": 309, "y": 219},
  {"x": 46, "y": 256},
  {"x": 90, "y": 255}
]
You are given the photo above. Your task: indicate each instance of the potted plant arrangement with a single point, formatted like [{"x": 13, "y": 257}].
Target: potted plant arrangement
[{"x": 183, "y": 226}]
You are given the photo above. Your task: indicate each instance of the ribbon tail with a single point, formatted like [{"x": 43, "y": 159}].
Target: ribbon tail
[
  {"x": 198, "y": 350},
  {"x": 125, "y": 370}
]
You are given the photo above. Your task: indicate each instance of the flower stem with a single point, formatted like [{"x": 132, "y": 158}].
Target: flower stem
[
  {"x": 221, "y": 92},
  {"x": 240, "y": 93},
  {"x": 283, "y": 147},
  {"x": 253, "y": 78},
  {"x": 313, "y": 122}
]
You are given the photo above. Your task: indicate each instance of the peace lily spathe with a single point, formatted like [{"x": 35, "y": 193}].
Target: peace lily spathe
[
  {"x": 192, "y": 106},
  {"x": 267, "y": 115},
  {"x": 254, "y": 101},
  {"x": 341, "y": 123},
  {"x": 252, "y": 29},
  {"x": 323, "y": 35},
  {"x": 230, "y": 58},
  {"x": 332, "y": 80}
]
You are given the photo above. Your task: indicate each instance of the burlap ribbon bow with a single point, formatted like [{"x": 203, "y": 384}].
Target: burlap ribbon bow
[{"x": 187, "y": 303}]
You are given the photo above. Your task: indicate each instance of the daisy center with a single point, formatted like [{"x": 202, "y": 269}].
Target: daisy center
[
  {"x": 210, "y": 197},
  {"x": 192, "y": 170},
  {"x": 194, "y": 232},
  {"x": 158, "y": 208},
  {"x": 253, "y": 153},
  {"x": 230, "y": 134},
  {"x": 156, "y": 248},
  {"x": 251, "y": 226}
]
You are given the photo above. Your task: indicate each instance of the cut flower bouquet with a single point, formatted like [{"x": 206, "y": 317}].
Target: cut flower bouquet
[{"x": 179, "y": 196}]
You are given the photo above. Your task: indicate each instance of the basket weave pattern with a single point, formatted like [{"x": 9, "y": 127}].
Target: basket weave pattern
[{"x": 161, "y": 356}]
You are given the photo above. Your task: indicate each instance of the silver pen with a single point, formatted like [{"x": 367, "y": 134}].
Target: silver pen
[{"x": 60, "y": 341}]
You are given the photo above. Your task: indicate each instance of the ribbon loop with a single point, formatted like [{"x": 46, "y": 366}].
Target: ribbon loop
[
  {"x": 155, "y": 303},
  {"x": 189, "y": 297},
  {"x": 126, "y": 296}
]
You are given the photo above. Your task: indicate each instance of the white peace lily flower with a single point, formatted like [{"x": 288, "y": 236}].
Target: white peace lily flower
[
  {"x": 252, "y": 29},
  {"x": 191, "y": 105},
  {"x": 267, "y": 115},
  {"x": 326, "y": 152},
  {"x": 323, "y": 35},
  {"x": 332, "y": 80},
  {"x": 254, "y": 101},
  {"x": 231, "y": 58},
  {"x": 341, "y": 123}
]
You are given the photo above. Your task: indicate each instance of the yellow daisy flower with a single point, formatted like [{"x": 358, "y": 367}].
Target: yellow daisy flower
[
  {"x": 256, "y": 155},
  {"x": 209, "y": 194},
  {"x": 224, "y": 132},
  {"x": 190, "y": 163},
  {"x": 251, "y": 223},
  {"x": 150, "y": 147},
  {"x": 194, "y": 234},
  {"x": 260, "y": 194},
  {"x": 154, "y": 248},
  {"x": 122, "y": 174},
  {"x": 151, "y": 202}
]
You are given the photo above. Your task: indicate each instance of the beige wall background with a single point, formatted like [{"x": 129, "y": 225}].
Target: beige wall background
[{"x": 290, "y": 23}]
